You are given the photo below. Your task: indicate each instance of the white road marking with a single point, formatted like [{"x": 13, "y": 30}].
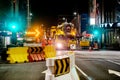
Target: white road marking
[
  {"x": 114, "y": 72},
  {"x": 113, "y": 62},
  {"x": 44, "y": 71},
  {"x": 84, "y": 74}
]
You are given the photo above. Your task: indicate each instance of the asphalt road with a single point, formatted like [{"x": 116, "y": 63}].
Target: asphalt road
[
  {"x": 23, "y": 71},
  {"x": 98, "y": 65},
  {"x": 94, "y": 65}
]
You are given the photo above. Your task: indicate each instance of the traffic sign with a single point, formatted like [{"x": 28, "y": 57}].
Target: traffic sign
[
  {"x": 35, "y": 50},
  {"x": 62, "y": 66},
  {"x": 35, "y": 33}
]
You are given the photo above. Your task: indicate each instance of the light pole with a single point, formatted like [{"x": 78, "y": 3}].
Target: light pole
[
  {"x": 28, "y": 14},
  {"x": 78, "y": 26},
  {"x": 13, "y": 24},
  {"x": 77, "y": 22}
]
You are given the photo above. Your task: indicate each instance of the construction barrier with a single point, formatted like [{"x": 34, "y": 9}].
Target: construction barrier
[
  {"x": 36, "y": 57},
  {"x": 25, "y": 54},
  {"x": 61, "y": 68},
  {"x": 17, "y": 54},
  {"x": 50, "y": 51},
  {"x": 30, "y": 54},
  {"x": 35, "y": 50},
  {"x": 36, "y": 54}
]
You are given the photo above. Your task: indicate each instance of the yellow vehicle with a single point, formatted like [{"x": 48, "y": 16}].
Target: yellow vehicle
[
  {"x": 85, "y": 42},
  {"x": 62, "y": 35}
]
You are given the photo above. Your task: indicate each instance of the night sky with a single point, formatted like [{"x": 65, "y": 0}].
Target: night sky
[{"x": 49, "y": 11}]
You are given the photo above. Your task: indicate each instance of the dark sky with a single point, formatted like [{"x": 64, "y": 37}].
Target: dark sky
[{"x": 49, "y": 11}]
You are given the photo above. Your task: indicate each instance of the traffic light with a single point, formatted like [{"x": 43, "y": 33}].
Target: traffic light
[
  {"x": 95, "y": 32},
  {"x": 13, "y": 26}
]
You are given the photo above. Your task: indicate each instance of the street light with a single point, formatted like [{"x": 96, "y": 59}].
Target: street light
[
  {"x": 13, "y": 26},
  {"x": 28, "y": 13},
  {"x": 31, "y": 14},
  {"x": 75, "y": 13}
]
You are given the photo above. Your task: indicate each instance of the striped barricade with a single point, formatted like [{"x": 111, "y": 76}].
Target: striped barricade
[
  {"x": 61, "y": 68},
  {"x": 35, "y": 54}
]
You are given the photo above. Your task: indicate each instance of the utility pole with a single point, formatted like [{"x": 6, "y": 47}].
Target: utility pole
[
  {"x": 77, "y": 23},
  {"x": 28, "y": 14},
  {"x": 15, "y": 8},
  {"x": 15, "y": 13}
]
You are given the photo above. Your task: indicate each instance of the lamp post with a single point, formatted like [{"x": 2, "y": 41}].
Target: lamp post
[
  {"x": 13, "y": 22},
  {"x": 28, "y": 14},
  {"x": 75, "y": 13},
  {"x": 78, "y": 26}
]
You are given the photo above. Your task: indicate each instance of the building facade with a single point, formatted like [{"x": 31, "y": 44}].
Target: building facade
[
  {"x": 13, "y": 21},
  {"x": 107, "y": 18}
]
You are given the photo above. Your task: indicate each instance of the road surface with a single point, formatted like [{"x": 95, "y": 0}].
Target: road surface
[
  {"x": 91, "y": 65},
  {"x": 98, "y": 65},
  {"x": 23, "y": 71}
]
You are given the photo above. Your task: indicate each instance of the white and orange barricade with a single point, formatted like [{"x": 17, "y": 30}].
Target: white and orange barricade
[{"x": 61, "y": 68}]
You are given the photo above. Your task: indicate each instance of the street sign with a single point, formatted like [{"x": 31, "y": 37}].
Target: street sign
[
  {"x": 62, "y": 66},
  {"x": 35, "y": 33}
]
